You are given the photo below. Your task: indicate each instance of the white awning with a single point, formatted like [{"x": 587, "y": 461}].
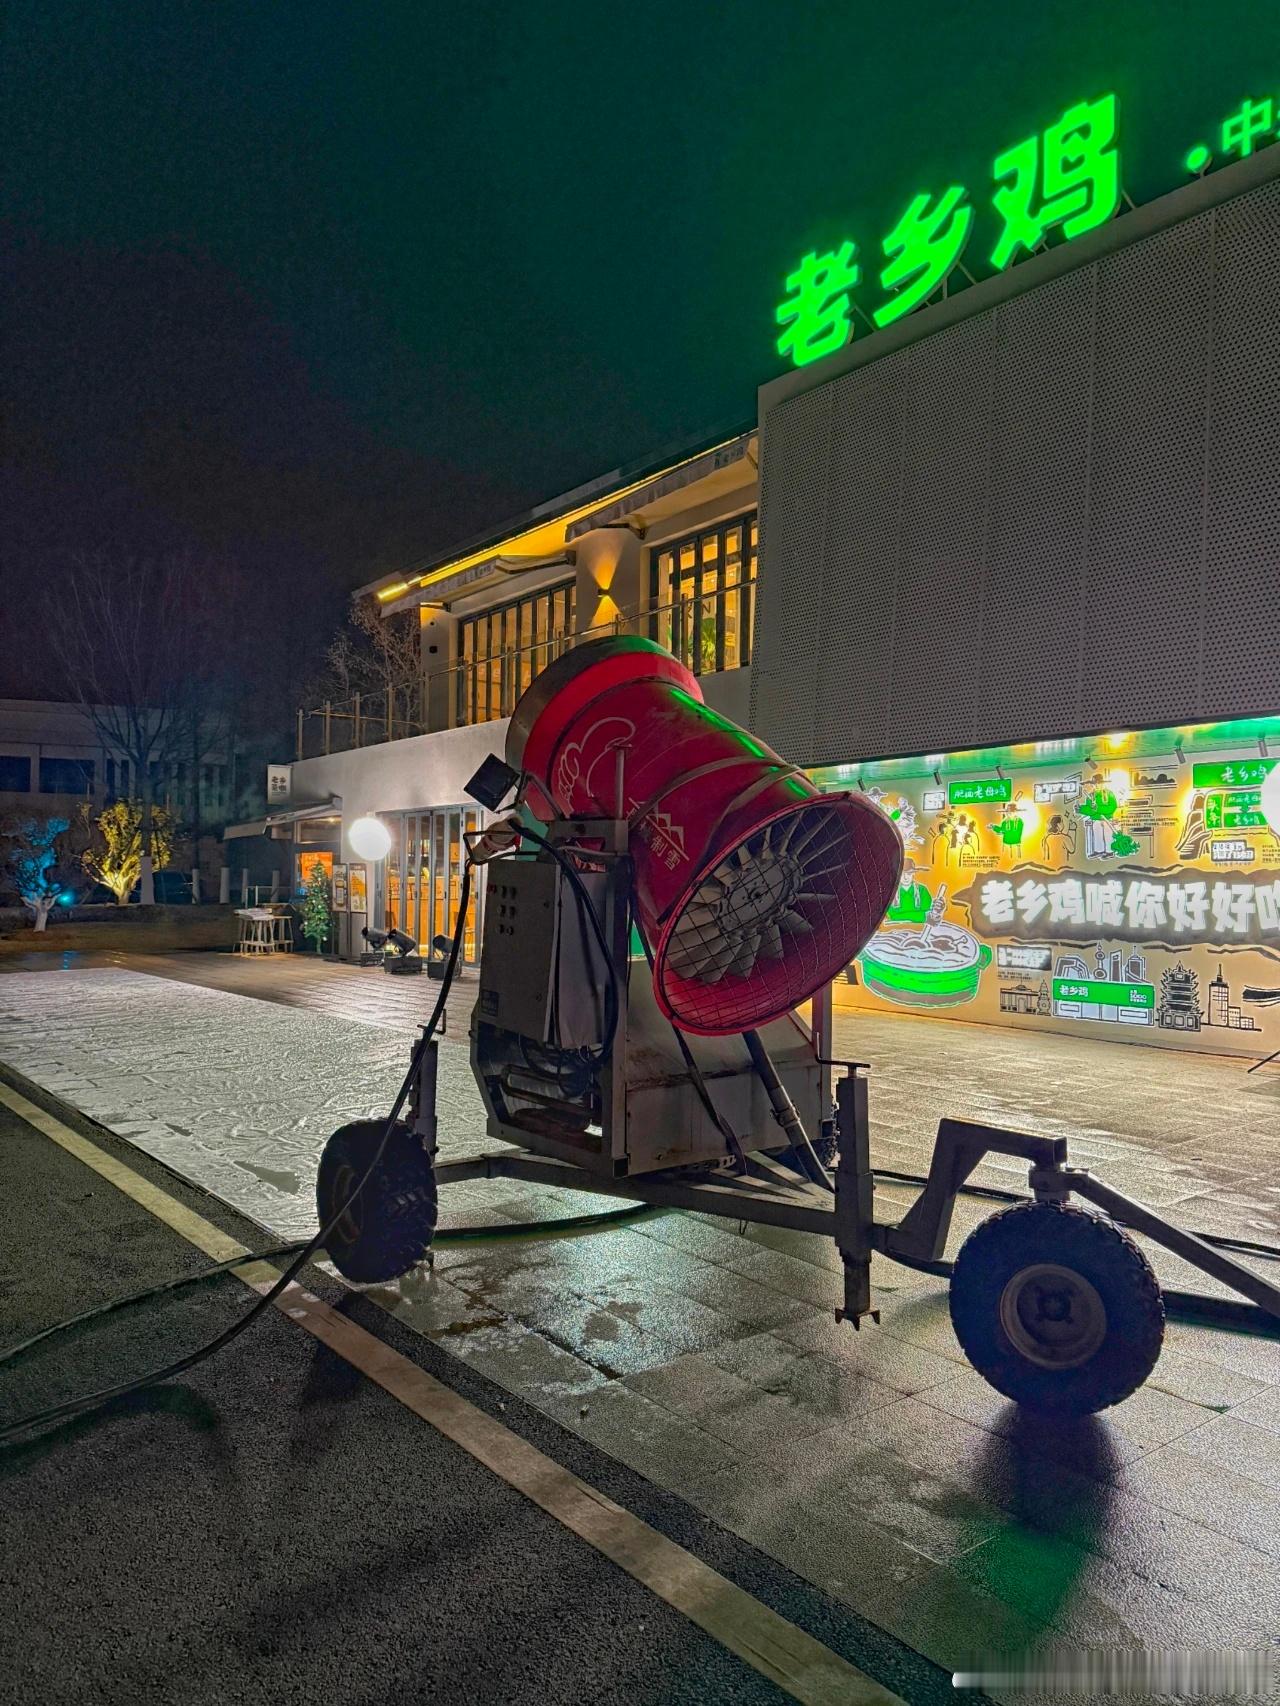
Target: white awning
[{"x": 332, "y": 807}]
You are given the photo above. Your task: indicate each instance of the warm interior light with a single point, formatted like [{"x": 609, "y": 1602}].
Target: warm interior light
[
  {"x": 370, "y": 838},
  {"x": 1118, "y": 741},
  {"x": 1030, "y": 815},
  {"x": 1120, "y": 782}
]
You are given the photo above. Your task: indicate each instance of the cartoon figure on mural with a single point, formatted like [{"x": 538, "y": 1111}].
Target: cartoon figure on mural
[
  {"x": 957, "y": 834},
  {"x": 1058, "y": 843},
  {"x": 1011, "y": 826},
  {"x": 1103, "y": 805},
  {"x": 902, "y": 811}
]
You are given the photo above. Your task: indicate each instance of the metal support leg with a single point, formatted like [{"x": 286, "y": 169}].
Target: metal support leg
[
  {"x": 855, "y": 1197},
  {"x": 422, "y": 1108}
]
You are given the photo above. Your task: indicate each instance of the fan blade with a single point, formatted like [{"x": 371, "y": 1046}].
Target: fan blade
[{"x": 771, "y": 944}]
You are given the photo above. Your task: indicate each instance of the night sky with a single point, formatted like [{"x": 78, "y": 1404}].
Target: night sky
[{"x": 320, "y": 289}]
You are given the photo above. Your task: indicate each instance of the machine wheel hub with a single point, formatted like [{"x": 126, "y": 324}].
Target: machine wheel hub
[{"x": 1053, "y": 1316}]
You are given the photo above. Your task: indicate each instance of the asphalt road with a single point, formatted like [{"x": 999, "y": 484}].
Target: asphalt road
[{"x": 273, "y": 1528}]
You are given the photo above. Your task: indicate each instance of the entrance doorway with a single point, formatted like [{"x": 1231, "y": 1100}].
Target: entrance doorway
[{"x": 424, "y": 878}]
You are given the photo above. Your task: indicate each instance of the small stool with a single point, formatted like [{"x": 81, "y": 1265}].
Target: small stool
[
  {"x": 256, "y": 933},
  {"x": 281, "y": 933}
]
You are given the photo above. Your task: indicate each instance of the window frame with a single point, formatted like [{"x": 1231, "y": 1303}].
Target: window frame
[
  {"x": 483, "y": 648},
  {"x": 708, "y": 577}
]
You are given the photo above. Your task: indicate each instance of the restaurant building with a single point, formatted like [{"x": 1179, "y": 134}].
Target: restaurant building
[
  {"x": 1010, "y": 563},
  {"x": 1026, "y": 542},
  {"x": 667, "y": 549}
]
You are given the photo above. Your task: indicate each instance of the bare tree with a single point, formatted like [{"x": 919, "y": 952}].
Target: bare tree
[
  {"x": 376, "y": 655},
  {"x": 128, "y": 633}
]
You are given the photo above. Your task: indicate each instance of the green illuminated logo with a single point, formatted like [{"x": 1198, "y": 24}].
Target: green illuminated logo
[
  {"x": 980, "y": 793},
  {"x": 817, "y": 310},
  {"x": 1104, "y": 994},
  {"x": 1067, "y": 178},
  {"x": 1236, "y": 773},
  {"x": 923, "y": 247},
  {"x": 1240, "y": 132}
]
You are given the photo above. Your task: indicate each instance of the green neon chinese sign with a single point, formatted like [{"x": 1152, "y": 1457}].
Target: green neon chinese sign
[
  {"x": 1139, "y": 995},
  {"x": 980, "y": 793},
  {"x": 1252, "y": 125},
  {"x": 1067, "y": 178},
  {"x": 1236, "y": 773},
  {"x": 1064, "y": 180}
]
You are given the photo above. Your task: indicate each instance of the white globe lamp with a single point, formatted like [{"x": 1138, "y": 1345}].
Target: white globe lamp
[
  {"x": 1270, "y": 802},
  {"x": 370, "y": 838}
]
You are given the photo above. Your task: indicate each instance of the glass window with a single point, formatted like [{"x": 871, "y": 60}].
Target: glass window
[
  {"x": 66, "y": 775},
  {"x": 15, "y": 774},
  {"x": 501, "y": 650},
  {"x": 701, "y": 593}
]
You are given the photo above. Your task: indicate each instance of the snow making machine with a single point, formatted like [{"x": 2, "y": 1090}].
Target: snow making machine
[{"x": 664, "y": 894}]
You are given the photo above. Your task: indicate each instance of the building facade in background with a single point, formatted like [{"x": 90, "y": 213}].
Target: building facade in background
[
  {"x": 668, "y": 550},
  {"x": 53, "y": 760},
  {"x": 1012, "y": 567},
  {"x": 1021, "y": 581}
]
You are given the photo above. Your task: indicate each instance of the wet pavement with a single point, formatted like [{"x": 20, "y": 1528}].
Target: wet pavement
[
  {"x": 272, "y": 1526},
  {"x": 876, "y": 1465}
]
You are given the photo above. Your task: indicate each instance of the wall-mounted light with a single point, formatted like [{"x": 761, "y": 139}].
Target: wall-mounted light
[
  {"x": 937, "y": 777},
  {"x": 1262, "y": 747},
  {"x": 1000, "y": 772},
  {"x": 1181, "y": 755}
]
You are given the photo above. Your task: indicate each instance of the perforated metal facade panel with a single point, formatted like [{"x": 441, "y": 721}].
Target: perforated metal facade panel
[{"x": 1060, "y": 514}]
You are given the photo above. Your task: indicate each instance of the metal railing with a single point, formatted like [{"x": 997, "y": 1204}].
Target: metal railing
[
  {"x": 708, "y": 634},
  {"x": 341, "y": 725}
]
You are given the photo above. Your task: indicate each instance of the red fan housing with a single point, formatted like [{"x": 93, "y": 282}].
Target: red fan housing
[{"x": 753, "y": 887}]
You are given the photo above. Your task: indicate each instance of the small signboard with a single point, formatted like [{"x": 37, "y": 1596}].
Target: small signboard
[
  {"x": 1241, "y": 808},
  {"x": 1233, "y": 773},
  {"x": 980, "y": 793},
  {"x": 278, "y": 784},
  {"x": 1104, "y": 994},
  {"x": 1014, "y": 958}
]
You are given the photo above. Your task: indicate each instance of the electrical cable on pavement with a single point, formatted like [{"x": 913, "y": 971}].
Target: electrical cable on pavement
[
  {"x": 94, "y": 1400},
  {"x": 302, "y": 1252},
  {"x": 1197, "y": 1305}
]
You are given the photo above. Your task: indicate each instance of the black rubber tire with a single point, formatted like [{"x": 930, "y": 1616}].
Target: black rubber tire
[
  {"x": 1102, "y": 1253},
  {"x": 389, "y": 1228}
]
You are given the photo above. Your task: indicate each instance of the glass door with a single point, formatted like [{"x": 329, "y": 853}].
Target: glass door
[{"x": 425, "y": 879}]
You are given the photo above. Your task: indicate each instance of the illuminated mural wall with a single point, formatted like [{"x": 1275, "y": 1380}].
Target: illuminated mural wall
[{"x": 1126, "y": 886}]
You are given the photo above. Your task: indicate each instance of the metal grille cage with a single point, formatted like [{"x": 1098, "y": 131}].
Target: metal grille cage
[{"x": 774, "y": 918}]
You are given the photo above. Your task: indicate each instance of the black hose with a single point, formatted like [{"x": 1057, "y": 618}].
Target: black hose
[
  {"x": 95, "y": 1400},
  {"x": 498, "y": 1232}
]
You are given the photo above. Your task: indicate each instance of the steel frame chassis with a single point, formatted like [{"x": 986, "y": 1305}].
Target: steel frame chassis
[{"x": 771, "y": 1195}]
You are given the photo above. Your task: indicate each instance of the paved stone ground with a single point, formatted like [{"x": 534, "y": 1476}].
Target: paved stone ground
[{"x": 877, "y": 1465}]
